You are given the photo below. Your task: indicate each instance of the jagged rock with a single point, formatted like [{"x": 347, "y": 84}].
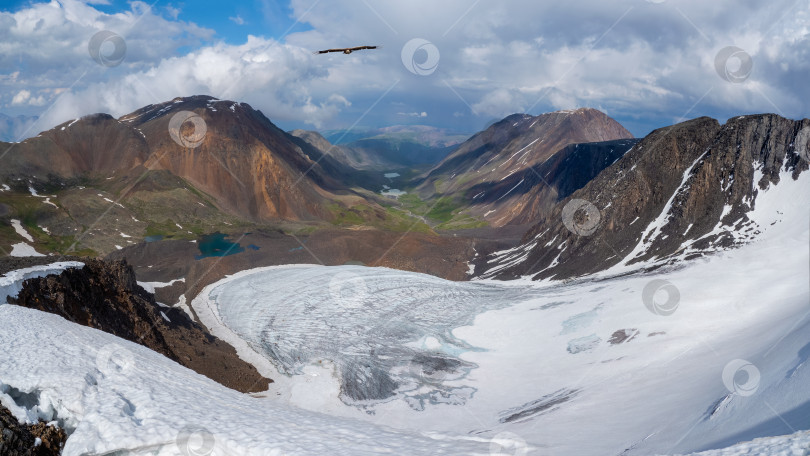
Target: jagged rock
[
  {"x": 105, "y": 296},
  {"x": 18, "y": 439}
]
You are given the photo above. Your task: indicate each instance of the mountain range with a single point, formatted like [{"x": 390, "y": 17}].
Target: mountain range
[
  {"x": 99, "y": 185},
  {"x": 398, "y": 148}
]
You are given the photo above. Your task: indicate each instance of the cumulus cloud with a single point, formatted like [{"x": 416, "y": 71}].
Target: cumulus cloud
[
  {"x": 21, "y": 97},
  {"x": 646, "y": 63}
]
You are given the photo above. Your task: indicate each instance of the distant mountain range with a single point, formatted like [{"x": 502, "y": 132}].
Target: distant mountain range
[
  {"x": 385, "y": 149},
  {"x": 420, "y": 134}
]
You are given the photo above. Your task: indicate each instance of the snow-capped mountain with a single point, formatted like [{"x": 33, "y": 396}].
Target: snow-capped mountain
[{"x": 682, "y": 192}]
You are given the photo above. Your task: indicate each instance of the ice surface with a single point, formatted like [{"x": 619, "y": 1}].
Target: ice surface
[
  {"x": 368, "y": 321},
  {"x": 117, "y": 397},
  {"x": 662, "y": 391}
]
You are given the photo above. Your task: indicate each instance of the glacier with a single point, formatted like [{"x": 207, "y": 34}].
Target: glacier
[{"x": 705, "y": 357}]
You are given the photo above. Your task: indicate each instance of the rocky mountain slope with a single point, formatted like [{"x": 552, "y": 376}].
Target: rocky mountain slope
[
  {"x": 498, "y": 175},
  {"x": 97, "y": 184},
  {"x": 682, "y": 192},
  {"x": 106, "y": 296}
]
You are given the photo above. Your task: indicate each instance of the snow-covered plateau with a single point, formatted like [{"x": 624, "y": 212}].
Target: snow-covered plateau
[{"x": 709, "y": 356}]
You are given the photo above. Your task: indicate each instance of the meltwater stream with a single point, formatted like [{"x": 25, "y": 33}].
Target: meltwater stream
[{"x": 387, "y": 331}]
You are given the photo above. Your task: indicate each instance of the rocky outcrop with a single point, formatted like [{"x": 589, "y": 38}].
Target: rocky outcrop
[
  {"x": 683, "y": 191},
  {"x": 18, "y": 439},
  {"x": 105, "y": 296},
  {"x": 476, "y": 172}
]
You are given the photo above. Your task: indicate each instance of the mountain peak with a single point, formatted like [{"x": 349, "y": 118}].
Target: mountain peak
[
  {"x": 192, "y": 103},
  {"x": 495, "y": 173}
]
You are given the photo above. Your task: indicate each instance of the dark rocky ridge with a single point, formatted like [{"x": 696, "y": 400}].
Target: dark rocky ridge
[
  {"x": 634, "y": 191},
  {"x": 535, "y": 190},
  {"x": 105, "y": 296},
  {"x": 18, "y": 439}
]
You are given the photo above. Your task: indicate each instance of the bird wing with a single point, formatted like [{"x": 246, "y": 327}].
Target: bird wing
[
  {"x": 330, "y": 50},
  {"x": 358, "y": 48}
]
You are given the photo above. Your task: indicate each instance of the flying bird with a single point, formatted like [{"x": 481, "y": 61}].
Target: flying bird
[{"x": 347, "y": 50}]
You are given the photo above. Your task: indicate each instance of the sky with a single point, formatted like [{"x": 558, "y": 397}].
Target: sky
[{"x": 455, "y": 64}]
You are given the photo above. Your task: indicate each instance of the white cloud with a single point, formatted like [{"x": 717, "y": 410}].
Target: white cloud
[
  {"x": 21, "y": 97},
  {"x": 267, "y": 74},
  {"x": 644, "y": 62},
  {"x": 237, "y": 20}
]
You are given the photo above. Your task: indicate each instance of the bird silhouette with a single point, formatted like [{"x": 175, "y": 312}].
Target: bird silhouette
[{"x": 347, "y": 50}]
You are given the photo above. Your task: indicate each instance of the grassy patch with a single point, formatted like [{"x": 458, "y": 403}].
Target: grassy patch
[
  {"x": 448, "y": 213},
  {"x": 443, "y": 209},
  {"x": 349, "y": 216},
  {"x": 401, "y": 221},
  {"x": 462, "y": 223},
  {"x": 389, "y": 218}
]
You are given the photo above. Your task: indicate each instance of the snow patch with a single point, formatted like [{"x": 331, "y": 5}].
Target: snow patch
[{"x": 20, "y": 230}]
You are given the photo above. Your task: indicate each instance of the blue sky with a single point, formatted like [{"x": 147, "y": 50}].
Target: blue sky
[
  {"x": 647, "y": 63},
  {"x": 231, "y": 20}
]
